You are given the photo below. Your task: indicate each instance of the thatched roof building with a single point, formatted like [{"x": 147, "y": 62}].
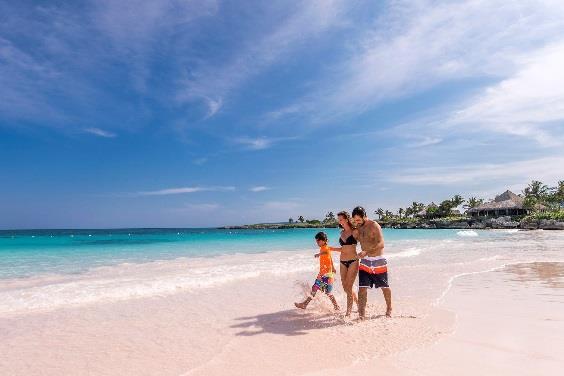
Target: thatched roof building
[
  {"x": 423, "y": 213},
  {"x": 507, "y": 203}
]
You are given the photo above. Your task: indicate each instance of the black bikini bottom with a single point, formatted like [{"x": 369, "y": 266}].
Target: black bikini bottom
[{"x": 348, "y": 263}]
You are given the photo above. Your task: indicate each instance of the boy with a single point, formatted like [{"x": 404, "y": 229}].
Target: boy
[{"x": 325, "y": 278}]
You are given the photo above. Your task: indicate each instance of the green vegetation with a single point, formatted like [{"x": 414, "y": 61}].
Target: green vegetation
[{"x": 557, "y": 215}]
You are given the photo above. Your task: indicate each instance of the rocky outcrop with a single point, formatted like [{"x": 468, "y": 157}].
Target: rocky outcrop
[
  {"x": 543, "y": 224},
  {"x": 462, "y": 224},
  {"x": 502, "y": 223},
  {"x": 551, "y": 224}
]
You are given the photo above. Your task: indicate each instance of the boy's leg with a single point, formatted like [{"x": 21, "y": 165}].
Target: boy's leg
[
  {"x": 388, "y": 297},
  {"x": 304, "y": 304},
  {"x": 334, "y": 301},
  {"x": 362, "y": 298}
]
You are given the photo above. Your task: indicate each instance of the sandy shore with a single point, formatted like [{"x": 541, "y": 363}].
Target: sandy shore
[{"x": 451, "y": 316}]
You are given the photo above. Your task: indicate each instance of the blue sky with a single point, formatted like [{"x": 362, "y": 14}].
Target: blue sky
[{"x": 203, "y": 113}]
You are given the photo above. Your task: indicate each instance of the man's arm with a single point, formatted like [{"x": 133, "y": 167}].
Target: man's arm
[{"x": 376, "y": 232}]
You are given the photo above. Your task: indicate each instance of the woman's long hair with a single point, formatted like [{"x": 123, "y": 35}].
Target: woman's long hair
[{"x": 347, "y": 216}]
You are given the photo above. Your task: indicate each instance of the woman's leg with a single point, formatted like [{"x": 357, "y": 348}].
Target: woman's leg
[
  {"x": 343, "y": 270},
  {"x": 352, "y": 273},
  {"x": 348, "y": 283}
]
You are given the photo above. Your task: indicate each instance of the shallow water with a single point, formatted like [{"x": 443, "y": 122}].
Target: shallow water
[
  {"x": 84, "y": 270},
  {"x": 32, "y": 252}
]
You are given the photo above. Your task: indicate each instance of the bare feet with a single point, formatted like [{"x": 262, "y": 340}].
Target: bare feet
[
  {"x": 389, "y": 312},
  {"x": 300, "y": 305}
]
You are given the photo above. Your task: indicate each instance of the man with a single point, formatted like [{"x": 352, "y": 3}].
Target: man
[{"x": 373, "y": 268}]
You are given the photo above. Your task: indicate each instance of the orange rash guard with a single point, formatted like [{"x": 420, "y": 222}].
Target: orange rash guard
[{"x": 325, "y": 261}]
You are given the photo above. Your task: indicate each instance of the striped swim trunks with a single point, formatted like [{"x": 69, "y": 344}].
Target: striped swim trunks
[{"x": 373, "y": 272}]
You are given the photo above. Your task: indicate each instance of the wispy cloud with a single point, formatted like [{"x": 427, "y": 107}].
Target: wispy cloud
[
  {"x": 259, "y": 188},
  {"x": 212, "y": 84},
  {"x": 425, "y": 141},
  {"x": 200, "y": 161},
  {"x": 416, "y": 46},
  {"x": 213, "y": 106},
  {"x": 261, "y": 143},
  {"x": 546, "y": 169},
  {"x": 197, "y": 207},
  {"x": 529, "y": 103},
  {"x": 100, "y": 132},
  {"x": 184, "y": 190}
]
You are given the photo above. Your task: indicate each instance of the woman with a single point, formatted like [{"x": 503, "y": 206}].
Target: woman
[{"x": 349, "y": 260}]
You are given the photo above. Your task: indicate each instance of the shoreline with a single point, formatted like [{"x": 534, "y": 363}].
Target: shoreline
[{"x": 502, "y": 223}]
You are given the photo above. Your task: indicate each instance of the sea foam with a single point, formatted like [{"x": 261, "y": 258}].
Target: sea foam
[{"x": 467, "y": 233}]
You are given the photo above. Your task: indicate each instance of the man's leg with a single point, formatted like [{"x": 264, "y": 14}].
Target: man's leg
[
  {"x": 362, "y": 298},
  {"x": 388, "y": 296}
]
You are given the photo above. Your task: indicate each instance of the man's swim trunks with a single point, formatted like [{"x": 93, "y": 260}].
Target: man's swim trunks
[{"x": 373, "y": 271}]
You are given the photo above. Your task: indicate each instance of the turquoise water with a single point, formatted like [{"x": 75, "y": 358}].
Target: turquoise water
[{"x": 33, "y": 252}]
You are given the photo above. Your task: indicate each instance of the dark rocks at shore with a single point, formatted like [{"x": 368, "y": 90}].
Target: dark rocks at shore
[
  {"x": 543, "y": 224},
  {"x": 506, "y": 222}
]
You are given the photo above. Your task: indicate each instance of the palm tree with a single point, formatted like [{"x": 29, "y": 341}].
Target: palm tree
[
  {"x": 291, "y": 220},
  {"x": 330, "y": 216},
  {"x": 379, "y": 212},
  {"x": 457, "y": 200},
  {"x": 473, "y": 202},
  {"x": 559, "y": 193},
  {"x": 301, "y": 219},
  {"x": 536, "y": 189},
  {"x": 408, "y": 211},
  {"x": 416, "y": 207},
  {"x": 388, "y": 214},
  {"x": 400, "y": 211}
]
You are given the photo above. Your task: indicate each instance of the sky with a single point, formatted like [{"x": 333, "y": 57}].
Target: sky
[{"x": 170, "y": 113}]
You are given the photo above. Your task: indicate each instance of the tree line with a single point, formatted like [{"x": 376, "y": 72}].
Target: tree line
[{"x": 536, "y": 195}]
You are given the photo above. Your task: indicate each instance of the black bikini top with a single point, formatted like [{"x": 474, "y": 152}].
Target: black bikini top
[{"x": 350, "y": 241}]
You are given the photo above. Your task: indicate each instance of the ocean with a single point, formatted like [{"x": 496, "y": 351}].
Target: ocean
[
  {"x": 43, "y": 270},
  {"x": 28, "y": 253}
]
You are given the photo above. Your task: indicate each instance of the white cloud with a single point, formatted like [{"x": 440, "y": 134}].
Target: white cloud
[
  {"x": 421, "y": 44},
  {"x": 260, "y": 143},
  {"x": 100, "y": 132},
  {"x": 415, "y": 46},
  {"x": 517, "y": 172},
  {"x": 309, "y": 20},
  {"x": 200, "y": 161},
  {"x": 425, "y": 141},
  {"x": 529, "y": 103},
  {"x": 259, "y": 188},
  {"x": 184, "y": 190},
  {"x": 213, "y": 106}
]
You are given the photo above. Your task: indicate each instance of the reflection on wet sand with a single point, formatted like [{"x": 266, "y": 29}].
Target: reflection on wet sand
[{"x": 549, "y": 274}]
